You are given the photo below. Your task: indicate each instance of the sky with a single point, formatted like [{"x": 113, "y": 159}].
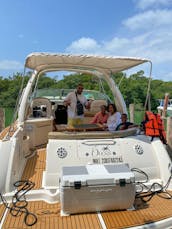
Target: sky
[{"x": 135, "y": 28}]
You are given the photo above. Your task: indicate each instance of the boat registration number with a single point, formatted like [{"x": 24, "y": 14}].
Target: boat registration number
[{"x": 107, "y": 160}]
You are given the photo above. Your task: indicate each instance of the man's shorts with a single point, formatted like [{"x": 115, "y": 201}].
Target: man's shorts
[{"x": 74, "y": 121}]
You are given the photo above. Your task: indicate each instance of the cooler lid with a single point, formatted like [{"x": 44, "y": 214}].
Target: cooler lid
[{"x": 96, "y": 174}]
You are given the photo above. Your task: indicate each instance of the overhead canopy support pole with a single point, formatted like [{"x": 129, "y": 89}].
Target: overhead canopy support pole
[{"x": 147, "y": 102}]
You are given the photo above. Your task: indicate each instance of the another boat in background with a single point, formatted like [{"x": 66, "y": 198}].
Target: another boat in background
[{"x": 160, "y": 108}]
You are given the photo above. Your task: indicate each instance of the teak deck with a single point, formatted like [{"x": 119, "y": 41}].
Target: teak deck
[
  {"x": 49, "y": 214},
  {"x": 10, "y": 130},
  {"x": 49, "y": 218},
  {"x": 34, "y": 168}
]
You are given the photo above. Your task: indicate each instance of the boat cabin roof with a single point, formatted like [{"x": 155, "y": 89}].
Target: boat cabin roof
[{"x": 55, "y": 61}]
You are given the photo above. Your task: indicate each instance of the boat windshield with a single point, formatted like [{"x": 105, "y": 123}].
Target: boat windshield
[
  {"x": 56, "y": 85},
  {"x": 55, "y": 94}
]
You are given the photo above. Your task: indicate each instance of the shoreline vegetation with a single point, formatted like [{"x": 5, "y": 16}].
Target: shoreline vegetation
[{"x": 133, "y": 88}]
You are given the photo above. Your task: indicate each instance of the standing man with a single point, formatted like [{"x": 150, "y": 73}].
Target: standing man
[{"x": 75, "y": 102}]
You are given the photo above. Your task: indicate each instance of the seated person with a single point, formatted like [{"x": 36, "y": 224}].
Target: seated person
[
  {"x": 114, "y": 118},
  {"x": 125, "y": 124},
  {"x": 101, "y": 117}
]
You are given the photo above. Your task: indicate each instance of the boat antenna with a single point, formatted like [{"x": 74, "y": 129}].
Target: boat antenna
[{"x": 147, "y": 101}]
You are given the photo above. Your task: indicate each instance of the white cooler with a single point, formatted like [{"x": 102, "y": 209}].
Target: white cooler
[{"x": 96, "y": 187}]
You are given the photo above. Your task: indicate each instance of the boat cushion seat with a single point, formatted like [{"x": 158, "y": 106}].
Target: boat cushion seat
[{"x": 92, "y": 134}]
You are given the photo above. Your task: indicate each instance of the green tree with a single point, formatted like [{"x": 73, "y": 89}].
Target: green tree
[{"x": 133, "y": 87}]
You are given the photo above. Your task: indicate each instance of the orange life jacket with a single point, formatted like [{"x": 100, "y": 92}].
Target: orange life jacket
[{"x": 154, "y": 126}]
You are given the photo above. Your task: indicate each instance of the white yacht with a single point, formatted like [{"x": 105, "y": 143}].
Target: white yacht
[
  {"x": 160, "y": 108},
  {"x": 80, "y": 177}
]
